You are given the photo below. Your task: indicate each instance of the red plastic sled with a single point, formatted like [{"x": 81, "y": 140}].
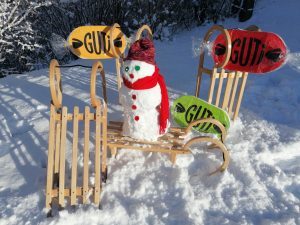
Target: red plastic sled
[{"x": 252, "y": 51}]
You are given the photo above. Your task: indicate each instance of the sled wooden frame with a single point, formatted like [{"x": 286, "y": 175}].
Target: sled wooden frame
[
  {"x": 172, "y": 143},
  {"x": 234, "y": 89},
  {"x": 56, "y": 190}
]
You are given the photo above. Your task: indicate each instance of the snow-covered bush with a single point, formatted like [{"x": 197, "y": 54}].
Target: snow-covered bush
[
  {"x": 18, "y": 40},
  {"x": 26, "y": 26}
]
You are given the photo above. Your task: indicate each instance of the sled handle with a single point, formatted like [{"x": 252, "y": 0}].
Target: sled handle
[
  {"x": 141, "y": 30},
  {"x": 113, "y": 49},
  {"x": 55, "y": 84},
  {"x": 97, "y": 66},
  {"x": 227, "y": 40}
]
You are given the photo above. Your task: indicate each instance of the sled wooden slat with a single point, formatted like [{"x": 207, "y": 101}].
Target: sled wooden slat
[
  {"x": 240, "y": 95},
  {"x": 49, "y": 183},
  {"x": 74, "y": 156},
  {"x": 97, "y": 157},
  {"x": 220, "y": 87},
  {"x": 212, "y": 86},
  {"x": 57, "y": 147},
  {"x": 61, "y": 197},
  {"x": 227, "y": 91},
  {"x": 86, "y": 154},
  {"x": 232, "y": 98}
]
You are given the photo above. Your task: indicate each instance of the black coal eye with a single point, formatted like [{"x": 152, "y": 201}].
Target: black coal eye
[{"x": 126, "y": 68}]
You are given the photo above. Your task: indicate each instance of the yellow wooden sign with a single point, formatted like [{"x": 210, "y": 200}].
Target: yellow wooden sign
[{"x": 97, "y": 42}]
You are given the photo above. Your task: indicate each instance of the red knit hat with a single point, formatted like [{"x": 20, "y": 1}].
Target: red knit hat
[{"x": 142, "y": 50}]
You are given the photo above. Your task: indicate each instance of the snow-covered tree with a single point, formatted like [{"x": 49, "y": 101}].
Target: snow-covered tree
[
  {"x": 17, "y": 38},
  {"x": 27, "y": 25}
]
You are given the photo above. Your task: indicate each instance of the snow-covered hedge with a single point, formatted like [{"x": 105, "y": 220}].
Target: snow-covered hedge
[
  {"x": 26, "y": 26},
  {"x": 19, "y": 41}
]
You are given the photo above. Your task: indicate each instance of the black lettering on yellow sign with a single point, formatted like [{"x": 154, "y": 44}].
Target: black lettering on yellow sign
[
  {"x": 94, "y": 42},
  {"x": 99, "y": 42}
]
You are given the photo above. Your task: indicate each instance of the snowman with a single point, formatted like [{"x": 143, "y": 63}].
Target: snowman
[{"x": 143, "y": 94}]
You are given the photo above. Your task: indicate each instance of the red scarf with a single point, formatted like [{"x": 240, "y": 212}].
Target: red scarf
[{"x": 150, "y": 82}]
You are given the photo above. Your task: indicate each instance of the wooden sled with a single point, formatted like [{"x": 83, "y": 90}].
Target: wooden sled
[
  {"x": 172, "y": 143},
  {"x": 57, "y": 191},
  {"x": 230, "y": 84}
]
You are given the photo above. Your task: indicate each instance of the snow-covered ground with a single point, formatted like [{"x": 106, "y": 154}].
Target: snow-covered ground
[{"x": 261, "y": 185}]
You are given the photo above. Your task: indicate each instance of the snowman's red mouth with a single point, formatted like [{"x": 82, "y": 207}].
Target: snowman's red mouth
[{"x": 131, "y": 76}]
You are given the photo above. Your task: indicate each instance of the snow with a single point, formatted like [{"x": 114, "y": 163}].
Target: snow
[{"x": 261, "y": 185}]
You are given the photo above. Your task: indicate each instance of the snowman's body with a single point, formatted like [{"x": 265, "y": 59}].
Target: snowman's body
[{"x": 141, "y": 107}]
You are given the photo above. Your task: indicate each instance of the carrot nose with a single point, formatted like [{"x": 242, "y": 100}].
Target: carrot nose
[{"x": 131, "y": 76}]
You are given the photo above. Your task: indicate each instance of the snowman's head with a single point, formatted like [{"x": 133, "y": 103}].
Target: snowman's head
[{"x": 134, "y": 70}]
